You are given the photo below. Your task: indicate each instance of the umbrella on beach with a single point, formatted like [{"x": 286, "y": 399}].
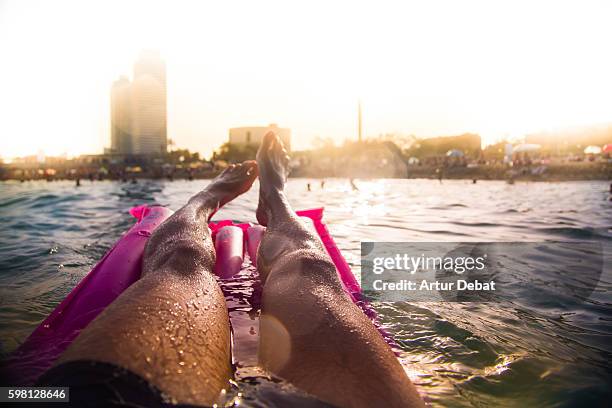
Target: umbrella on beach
[
  {"x": 592, "y": 150},
  {"x": 454, "y": 153},
  {"x": 526, "y": 147},
  {"x": 607, "y": 148}
]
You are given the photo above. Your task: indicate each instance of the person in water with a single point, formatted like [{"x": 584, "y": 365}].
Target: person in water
[{"x": 166, "y": 339}]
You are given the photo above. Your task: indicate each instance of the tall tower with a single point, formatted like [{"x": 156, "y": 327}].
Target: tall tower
[
  {"x": 121, "y": 117},
  {"x": 148, "y": 93},
  {"x": 359, "y": 120}
]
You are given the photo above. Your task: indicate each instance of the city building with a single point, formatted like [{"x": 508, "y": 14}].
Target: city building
[
  {"x": 468, "y": 143},
  {"x": 138, "y": 109},
  {"x": 149, "y": 104},
  {"x": 253, "y": 135},
  {"x": 121, "y": 117}
]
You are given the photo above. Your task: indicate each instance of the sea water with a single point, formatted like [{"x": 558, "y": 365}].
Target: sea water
[{"x": 546, "y": 352}]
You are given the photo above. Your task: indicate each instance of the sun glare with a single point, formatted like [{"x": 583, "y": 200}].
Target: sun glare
[{"x": 500, "y": 70}]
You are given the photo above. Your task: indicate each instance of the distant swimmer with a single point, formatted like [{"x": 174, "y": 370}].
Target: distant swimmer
[
  {"x": 78, "y": 182},
  {"x": 474, "y": 181},
  {"x": 308, "y": 187},
  {"x": 322, "y": 184},
  {"x": 353, "y": 185}
]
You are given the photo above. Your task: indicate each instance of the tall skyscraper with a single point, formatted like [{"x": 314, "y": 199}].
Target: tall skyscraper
[
  {"x": 138, "y": 109},
  {"x": 121, "y": 117},
  {"x": 149, "y": 104}
]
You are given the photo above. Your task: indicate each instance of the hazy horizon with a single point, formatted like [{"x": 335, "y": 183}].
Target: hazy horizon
[{"x": 499, "y": 70}]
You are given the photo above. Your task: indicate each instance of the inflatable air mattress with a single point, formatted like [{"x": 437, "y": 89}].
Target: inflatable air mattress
[{"x": 121, "y": 267}]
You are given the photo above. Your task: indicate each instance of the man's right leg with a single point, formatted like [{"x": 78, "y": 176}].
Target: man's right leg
[{"x": 312, "y": 334}]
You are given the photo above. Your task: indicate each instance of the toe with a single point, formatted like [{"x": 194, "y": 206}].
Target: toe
[
  {"x": 243, "y": 168},
  {"x": 250, "y": 167}
]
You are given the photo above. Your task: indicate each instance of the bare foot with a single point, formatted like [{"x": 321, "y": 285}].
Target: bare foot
[
  {"x": 233, "y": 181},
  {"x": 273, "y": 165}
]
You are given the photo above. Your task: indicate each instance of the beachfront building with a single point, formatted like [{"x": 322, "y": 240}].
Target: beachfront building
[
  {"x": 121, "y": 117},
  {"x": 467, "y": 143},
  {"x": 253, "y": 135},
  {"x": 138, "y": 109},
  {"x": 149, "y": 104}
]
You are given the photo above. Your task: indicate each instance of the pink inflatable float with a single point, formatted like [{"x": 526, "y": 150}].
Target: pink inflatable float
[
  {"x": 229, "y": 246},
  {"x": 114, "y": 273},
  {"x": 121, "y": 266}
]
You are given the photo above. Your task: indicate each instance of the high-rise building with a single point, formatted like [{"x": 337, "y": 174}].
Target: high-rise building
[
  {"x": 121, "y": 117},
  {"x": 149, "y": 104},
  {"x": 138, "y": 109}
]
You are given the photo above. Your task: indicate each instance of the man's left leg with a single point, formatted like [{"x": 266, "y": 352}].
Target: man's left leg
[{"x": 172, "y": 327}]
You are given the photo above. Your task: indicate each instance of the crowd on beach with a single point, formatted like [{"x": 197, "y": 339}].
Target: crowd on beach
[{"x": 357, "y": 160}]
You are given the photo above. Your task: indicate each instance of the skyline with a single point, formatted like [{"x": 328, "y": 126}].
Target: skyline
[{"x": 429, "y": 70}]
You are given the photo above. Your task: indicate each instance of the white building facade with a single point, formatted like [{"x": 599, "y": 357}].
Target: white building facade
[{"x": 253, "y": 135}]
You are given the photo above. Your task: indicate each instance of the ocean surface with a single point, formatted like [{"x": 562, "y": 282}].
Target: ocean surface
[{"x": 516, "y": 353}]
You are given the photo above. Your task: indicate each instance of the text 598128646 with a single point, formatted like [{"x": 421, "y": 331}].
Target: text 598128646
[{"x": 34, "y": 394}]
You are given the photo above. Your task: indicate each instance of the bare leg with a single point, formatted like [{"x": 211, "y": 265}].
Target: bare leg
[
  {"x": 172, "y": 327},
  {"x": 311, "y": 332}
]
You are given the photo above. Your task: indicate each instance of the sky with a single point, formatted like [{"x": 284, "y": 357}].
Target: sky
[{"x": 500, "y": 69}]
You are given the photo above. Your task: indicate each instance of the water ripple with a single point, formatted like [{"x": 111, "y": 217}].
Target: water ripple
[{"x": 547, "y": 351}]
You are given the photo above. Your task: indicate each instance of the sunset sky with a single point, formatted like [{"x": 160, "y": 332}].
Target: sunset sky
[{"x": 428, "y": 68}]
